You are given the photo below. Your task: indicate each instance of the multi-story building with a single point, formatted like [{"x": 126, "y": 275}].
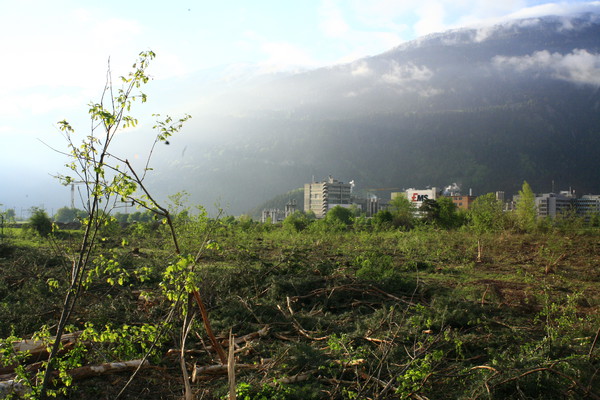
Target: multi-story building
[
  {"x": 553, "y": 204},
  {"x": 417, "y": 197},
  {"x": 370, "y": 205},
  {"x": 276, "y": 215},
  {"x": 587, "y": 205},
  {"x": 320, "y": 197},
  {"x": 463, "y": 202}
]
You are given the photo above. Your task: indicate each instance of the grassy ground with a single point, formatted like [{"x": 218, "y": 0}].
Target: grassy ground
[{"x": 348, "y": 315}]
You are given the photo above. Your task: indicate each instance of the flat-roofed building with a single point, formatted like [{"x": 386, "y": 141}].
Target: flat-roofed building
[
  {"x": 587, "y": 205},
  {"x": 320, "y": 197},
  {"x": 553, "y": 204},
  {"x": 463, "y": 202}
]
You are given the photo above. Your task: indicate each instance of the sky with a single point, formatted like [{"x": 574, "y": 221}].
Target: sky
[{"x": 55, "y": 56}]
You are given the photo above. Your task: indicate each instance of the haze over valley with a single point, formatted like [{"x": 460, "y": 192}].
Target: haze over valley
[{"x": 487, "y": 107}]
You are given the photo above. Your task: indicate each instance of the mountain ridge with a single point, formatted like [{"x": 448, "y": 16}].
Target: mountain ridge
[{"x": 523, "y": 104}]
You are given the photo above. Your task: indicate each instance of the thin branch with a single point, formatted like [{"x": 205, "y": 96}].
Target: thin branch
[{"x": 594, "y": 344}]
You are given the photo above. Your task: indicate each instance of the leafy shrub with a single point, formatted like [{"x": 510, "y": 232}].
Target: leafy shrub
[
  {"x": 41, "y": 222},
  {"x": 296, "y": 222}
]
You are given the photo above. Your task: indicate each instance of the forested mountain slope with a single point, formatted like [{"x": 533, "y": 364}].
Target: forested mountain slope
[{"x": 487, "y": 108}]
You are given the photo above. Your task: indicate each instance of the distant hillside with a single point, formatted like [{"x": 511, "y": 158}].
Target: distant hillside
[
  {"x": 487, "y": 108},
  {"x": 279, "y": 202}
]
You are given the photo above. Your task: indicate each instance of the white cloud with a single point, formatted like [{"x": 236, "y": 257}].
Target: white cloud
[
  {"x": 434, "y": 16},
  {"x": 522, "y": 16},
  {"x": 430, "y": 92},
  {"x": 431, "y": 16},
  {"x": 360, "y": 68},
  {"x": 580, "y": 66},
  {"x": 373, "y": 26},
  {"x": 562, "y": 8},
  {"x": 406, "y": 74}
]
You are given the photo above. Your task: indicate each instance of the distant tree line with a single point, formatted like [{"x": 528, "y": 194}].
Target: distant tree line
[{"x": 485, "y": 215}]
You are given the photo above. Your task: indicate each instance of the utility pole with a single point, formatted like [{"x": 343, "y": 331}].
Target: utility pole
[{"x": 73, "y": 192}]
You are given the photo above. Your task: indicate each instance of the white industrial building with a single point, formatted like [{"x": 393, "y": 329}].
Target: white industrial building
[{"x": 320, "y": 197}]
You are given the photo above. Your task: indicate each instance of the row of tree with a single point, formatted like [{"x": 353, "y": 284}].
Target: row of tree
[
  {"x": 68, "y": 215},
  {"x": 485, "y": 215}
]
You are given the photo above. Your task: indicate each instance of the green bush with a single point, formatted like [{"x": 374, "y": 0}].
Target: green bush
[{"x": 41, "y": 222}]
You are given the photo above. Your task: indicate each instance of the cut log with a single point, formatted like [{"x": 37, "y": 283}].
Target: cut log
[
  {"x": 13, "y": 388},
  {"x": 38, "y": 349},
  {"x": 106, "y": 368},
  {"x": 217, "y": 370},
  {"x": 242, "y": 339}
]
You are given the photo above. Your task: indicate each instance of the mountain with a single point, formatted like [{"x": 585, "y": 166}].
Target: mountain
[{"x": 485, "y": 107}]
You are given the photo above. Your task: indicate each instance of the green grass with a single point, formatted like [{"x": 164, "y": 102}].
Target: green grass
[{"x": 354, "y": 314}]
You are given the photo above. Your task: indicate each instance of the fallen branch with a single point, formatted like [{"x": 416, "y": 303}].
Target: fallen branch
[
  {"x": 15, "y": 387},
  {"x": 363, "y": 374},
  {"x": 106, "y": 368},
  {"x": 29, "y": 368},
  {"x": 217, "y": 370},
  {"x": 293, "y": 379},
  {"x": 38, "y": 349},
  {"x": 379, "y": 341},
  {"x": 231, "y": 367},
  {"x": 353, "y": 288},
  {"x": 485, "y": 367},
  {"x": 594, "y": 344},
  {"x": 247, "y": 338},
  {"x": 297, "y": 325},
  {"x": 237, "y": 341},
  {"x": 550, "y": 267}
]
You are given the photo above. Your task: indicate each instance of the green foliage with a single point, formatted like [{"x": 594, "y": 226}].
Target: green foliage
[
  {"x": 297, "y": 222},
  {"x": 594, "y": 219},
  {"x": 441, "y": 213},
  {"x": 448, "y": 216},
  {"x": 67, "y": 215},
  {"x": 125, "y": 342},
  {"x": 40, "y": 222},
  {"x": 276, "y": 391},
  {"x": 413, "y": 379},
  {"x": 344, "y": 308},
  {"x": 340, "y": 215},
  {"x": 526, "y": 211},
  {"x": 383, "y": 220},
  {"x": 355, "y": 314},
  {"x": 569, "y": 221},
  {"x": 486, "y": 214},
  {"x": 374, "y": 266},
  {"x": 430, "y": 211},
  {"x": 140, "y": 216},
  {"x": 111, "y": 180},
  {"x": 403, "y": 211},
  {"x": 9, "y": 215}
]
